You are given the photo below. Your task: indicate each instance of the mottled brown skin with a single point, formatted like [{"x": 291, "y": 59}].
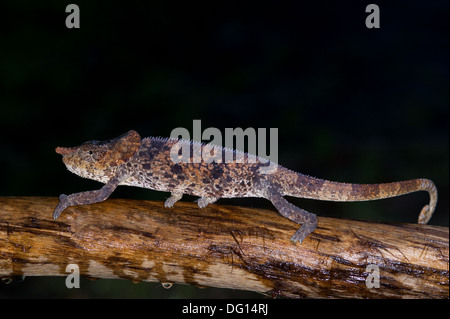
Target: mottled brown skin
[{"x": 147, "y": 163}]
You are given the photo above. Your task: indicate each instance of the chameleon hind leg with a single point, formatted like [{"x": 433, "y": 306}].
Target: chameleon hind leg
[{"x": 294, "y": 213}]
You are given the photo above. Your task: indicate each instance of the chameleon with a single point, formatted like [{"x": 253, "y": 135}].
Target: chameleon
[{"x": 151, "y": 163}]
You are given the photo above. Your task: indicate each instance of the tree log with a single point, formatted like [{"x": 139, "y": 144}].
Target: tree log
[{"x": 223, "y": 246}]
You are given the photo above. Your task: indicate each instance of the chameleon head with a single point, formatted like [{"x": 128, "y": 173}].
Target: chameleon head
[{"x": 99, "y": 160}]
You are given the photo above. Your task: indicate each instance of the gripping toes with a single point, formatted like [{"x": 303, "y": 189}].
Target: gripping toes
[
  {"x": 172, "y": 199},
  {"x": 63, "y": 204},
  {"x": 202, "y": 202},
  {"x": 306, "y": 229}
]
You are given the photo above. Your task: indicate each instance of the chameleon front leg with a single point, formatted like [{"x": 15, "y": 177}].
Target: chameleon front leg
[
  {"x": 89, "y": 197},
  {"x": 294, "y": 213},
  {"x": 175, "y": 197}
]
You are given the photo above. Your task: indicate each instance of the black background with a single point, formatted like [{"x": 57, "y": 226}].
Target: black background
[{"x": 351, "y": 104}]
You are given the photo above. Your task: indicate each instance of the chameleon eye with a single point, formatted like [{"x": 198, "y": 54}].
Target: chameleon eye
[{"x": 90, "y": 152}]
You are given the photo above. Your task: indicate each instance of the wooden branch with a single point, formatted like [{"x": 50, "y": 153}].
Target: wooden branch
[{"x": 222, "y": 246}]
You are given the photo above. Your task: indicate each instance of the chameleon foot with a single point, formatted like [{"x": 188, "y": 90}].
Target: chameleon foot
[
  {"x": 63, "y": 204},
  {"x": 172, "y": 199},
  {"x": 202, "y": 202},
  {"x": 305, "y": 230}
]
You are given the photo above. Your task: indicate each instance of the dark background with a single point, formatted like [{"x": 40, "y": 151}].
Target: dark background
[{"x": 351, "y": 104}]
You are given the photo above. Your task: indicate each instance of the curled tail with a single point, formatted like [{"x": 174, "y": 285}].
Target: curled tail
[{"x": 299, "y": 185}]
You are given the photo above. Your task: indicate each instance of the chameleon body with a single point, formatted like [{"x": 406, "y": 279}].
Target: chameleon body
[{"x": 149, "y": 163}]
